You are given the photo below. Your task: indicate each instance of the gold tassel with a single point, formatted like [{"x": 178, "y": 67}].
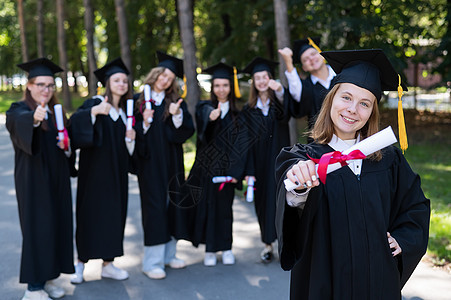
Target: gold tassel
[
  {"x": 312, "y": 43},
  {"x": 235, "y": 83},
  {"x": 99, "y": 90},
  {"x": 401, "y": 124},
  {"x": 185, "y": 89}
]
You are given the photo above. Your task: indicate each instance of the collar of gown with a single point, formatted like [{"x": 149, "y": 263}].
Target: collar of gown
[
  {"x": 224, "y": 109},
  {"x": 264, "y": 107},
  {"x": 114, "y": 115},
  {"x": 341, "y": 145},
  {"x": 329, "y": 78},
  {"x": 158, "y": 97}
]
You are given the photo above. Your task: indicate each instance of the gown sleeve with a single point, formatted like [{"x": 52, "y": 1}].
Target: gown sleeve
[
  {"x": 19, "y": 122},
  {"x": 85, "y": 134},
  {"x": 409, "y": 220}
]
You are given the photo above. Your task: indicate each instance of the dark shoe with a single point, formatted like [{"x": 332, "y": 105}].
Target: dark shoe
[{"x": 266, "y": 255}]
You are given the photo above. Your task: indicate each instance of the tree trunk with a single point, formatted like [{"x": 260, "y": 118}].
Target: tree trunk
[
  {"x": 62, "y": 52},
  {"x": 40, "y": 28},
  {"x": 23, "y": 39},
  {"x": 92, "y": 65},
  {"x": 123, "y": 35},
  {"x": 185, "y": 13},
  {"x": 283, "y": 40}
]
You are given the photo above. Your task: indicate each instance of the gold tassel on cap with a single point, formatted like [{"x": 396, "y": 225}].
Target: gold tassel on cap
[
  {"x": 401, "y": 123},
  {"x": 235, "y": 83},
  {"x": 185, "y": 89},
  {"x": 99, "y": 89},
  {"x": 312, "y": 43}
]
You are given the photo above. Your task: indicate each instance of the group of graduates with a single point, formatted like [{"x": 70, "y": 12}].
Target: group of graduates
[{"x": 336, "y": 238}]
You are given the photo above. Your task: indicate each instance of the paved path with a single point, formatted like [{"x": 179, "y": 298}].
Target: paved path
[{"x": 248, "y": 279}]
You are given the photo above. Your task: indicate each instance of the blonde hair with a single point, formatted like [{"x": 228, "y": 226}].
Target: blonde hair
[
  {"x": 323, "y": 129},
  {"x": 171, "y": 93}
]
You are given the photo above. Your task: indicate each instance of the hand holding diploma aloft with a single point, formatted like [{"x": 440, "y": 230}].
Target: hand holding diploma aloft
[
  {"x": 103, "y": 108},
  {"x": 215, "y": 113},
  {"x": 130, "y": 133},
  {"x": 147, "y": 98},
  {"x": 174, "y": 108},
  {"x": 40, "y": 113},
  {"x": 305, "y": 173},
  {"x": 63, "y": 137}
]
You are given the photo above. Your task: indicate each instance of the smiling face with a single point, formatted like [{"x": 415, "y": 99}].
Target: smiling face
[
  {"x": 261, "y": 81},
  {"x": 164, "y": 81},
  {"x": 311, "y": 60},
  {"x": 118, "y": 84},
  {"x": 41, "y": 88},
  {"x": 351, "y": 108},
  {"x": 221, "y": 88}
]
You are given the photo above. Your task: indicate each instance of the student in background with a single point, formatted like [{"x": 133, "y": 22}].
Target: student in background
[
  {"x": 99, "y": 130},
  {"x": 42, "y": 180}
]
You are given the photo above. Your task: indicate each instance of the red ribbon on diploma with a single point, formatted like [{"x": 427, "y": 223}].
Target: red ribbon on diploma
[
  {"x": 332, "y": 158},
  {"x": 133, "y": 119},
  {"x": 223, "y": 184},
  {"x": 66, "y": 139}
]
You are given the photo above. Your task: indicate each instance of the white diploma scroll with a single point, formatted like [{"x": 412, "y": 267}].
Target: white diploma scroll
[
  {"x": 147, "y": 97},
  {"x": 129, "y": 114},
  {"x": 368, "y": 146},
  {"x": 59, "y": 121},
  {"x": 250, "y": 190},
  {"x": 220, "y": 179}
]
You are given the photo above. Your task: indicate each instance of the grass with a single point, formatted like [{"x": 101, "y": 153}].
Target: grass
[{"x": 433, "y": 163}]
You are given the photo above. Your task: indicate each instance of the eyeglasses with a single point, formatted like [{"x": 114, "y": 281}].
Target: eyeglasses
[{"x": 42, "y": 86}]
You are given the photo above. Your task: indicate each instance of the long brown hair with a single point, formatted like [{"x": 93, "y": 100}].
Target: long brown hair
[
  {"x": 253, "y": 95},
  {"x": 171, "y": 93},
  {"x": 231, "y": 98},
  {"x": 32, "y": 104},
  {"x": 123, "y": 100},
  {"x": 323, "y": 129}
]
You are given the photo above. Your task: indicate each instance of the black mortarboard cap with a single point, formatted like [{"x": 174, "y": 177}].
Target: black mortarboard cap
[
  {"x": 220, "y": 70},
  {"x": 369, "y": 69},
  {"x": 299, "y": 47},
  {"x": 172, "y": 63},
  {"x": 259, "y": 64},
  {"x": 115, "y": 66},
  {"x": 40, "y": 67}
]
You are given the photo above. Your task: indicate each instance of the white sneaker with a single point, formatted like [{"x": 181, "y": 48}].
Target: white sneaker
[
  {"x": 53, "y": 290},
  {"x": 155, "y": 273},
  {"x": 113, "y": 272},
  {"x": 210, "y": 259},
  {"x": 228, "y": 258},
  {"x": 77, "y": 277},
  {"x": 177, "y": 263},
  {"x": 36, "y": 295}
]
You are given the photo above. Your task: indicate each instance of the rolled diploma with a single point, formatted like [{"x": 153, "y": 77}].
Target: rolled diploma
[
  {"x": 59, "y": 121},
  {"x": 250, "y": 190},
  {"x": 129, "y": 114},
  {"x": 368, "y": 146},
  {"x": 147, "y": 97},
  {"x": 219, "y": 179}
]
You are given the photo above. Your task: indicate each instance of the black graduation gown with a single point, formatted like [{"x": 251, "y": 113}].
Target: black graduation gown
[
  {"x": 43, "y": 194},
  {"x": 102, "y": 192},
  {"x": 312, "y": 97},
  {"x": 221, "y": 151},
  {"x": 337, "y": 245},
  {"x": 267, "y": 136},
  {"x": 158, "y": 161}
]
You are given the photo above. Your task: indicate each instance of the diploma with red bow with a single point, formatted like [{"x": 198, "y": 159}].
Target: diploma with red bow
[
  {"x": 62, "y": 132},
  {"x": 332, "y": 161},
  {"x": 147, "y": 99},
  {"x": 130, "y": 103},
  {"x": 222, "y": 180}
]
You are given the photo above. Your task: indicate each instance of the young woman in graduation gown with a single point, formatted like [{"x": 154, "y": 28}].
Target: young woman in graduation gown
[
  {"x": 42, "y": 179},
  {"x": 99, "y": 130},
  {"x": 158, "y": 160},
  {"x": 267, "y": 119},
  {"x": 307, "y": 94},
  {"x": 361, "y": 234},
  {"x": 220, "y": 152}
]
